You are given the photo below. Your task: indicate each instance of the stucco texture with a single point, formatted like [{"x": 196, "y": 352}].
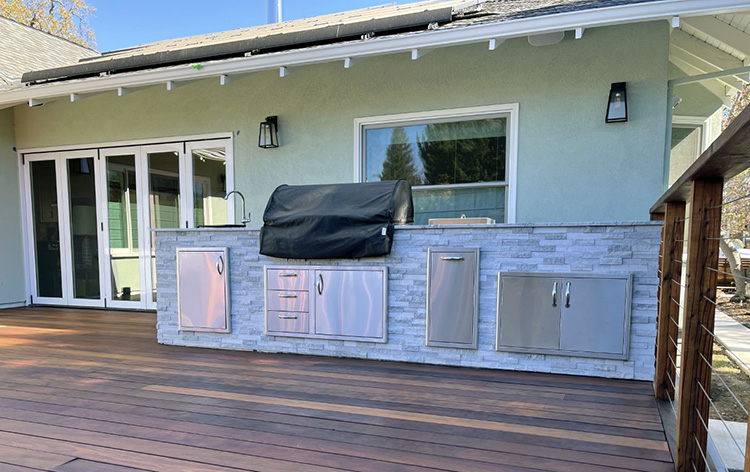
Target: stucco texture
[
  {"x": 12, "y": 286},
  {"x": 572, "y": 166}
]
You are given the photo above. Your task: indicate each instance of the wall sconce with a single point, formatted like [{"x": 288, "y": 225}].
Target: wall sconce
[
  {"x": 617, "y": 108},
  {"x": 268, "y": 136}
]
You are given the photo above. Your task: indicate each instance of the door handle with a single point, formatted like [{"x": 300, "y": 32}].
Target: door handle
[
  {"x": 288, "y": 274},
  {"x": 220, "y": 265},
  {"x": 554, "y": 294},
  {"x": 451, "y": 258},
  {"x": 287, "y": 317},
  {"x": 567, "y": 295},
  {"x": 320, "y": 284}
]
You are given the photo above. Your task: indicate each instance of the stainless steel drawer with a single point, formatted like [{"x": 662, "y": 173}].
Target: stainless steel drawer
[
  {"x": 288, "y": 322},
  {"x": 287, "y": 300},
  {"x": 287, "y": 279}
]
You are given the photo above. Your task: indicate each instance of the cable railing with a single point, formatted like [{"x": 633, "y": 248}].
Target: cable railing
[{"x": 707, "y": 399}]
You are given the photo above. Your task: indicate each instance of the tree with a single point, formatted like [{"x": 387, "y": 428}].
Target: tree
[
  {"x": 463, "y": 152},
  {"x": 399, "y": 159},
  {"x": 735, "y": 214},
  {"x": 68, "y": 19}
]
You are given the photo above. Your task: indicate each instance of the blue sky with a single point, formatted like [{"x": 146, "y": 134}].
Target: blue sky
[{"x": 120, "y": 24}]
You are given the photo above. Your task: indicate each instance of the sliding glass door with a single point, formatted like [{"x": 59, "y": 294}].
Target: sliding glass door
[{"x": 90, "y": 216}]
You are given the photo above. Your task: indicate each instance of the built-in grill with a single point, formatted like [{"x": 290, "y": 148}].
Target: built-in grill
[{"x": 335, "y": 221}]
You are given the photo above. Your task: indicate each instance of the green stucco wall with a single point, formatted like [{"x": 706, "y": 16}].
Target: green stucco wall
[
  {"x": 571, "y": 165},
  {"x": 12, "y": 277}
]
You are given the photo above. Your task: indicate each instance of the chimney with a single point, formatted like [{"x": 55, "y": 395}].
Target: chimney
[{"x": 274, "y": 11}]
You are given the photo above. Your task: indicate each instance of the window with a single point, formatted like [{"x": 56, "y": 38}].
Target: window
[{"x": 459, "y": 162}]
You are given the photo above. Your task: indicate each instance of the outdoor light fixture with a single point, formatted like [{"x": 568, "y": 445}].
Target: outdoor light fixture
[
  {"x": 617, "y": 108},
  {"x": 268, "y": 136}
]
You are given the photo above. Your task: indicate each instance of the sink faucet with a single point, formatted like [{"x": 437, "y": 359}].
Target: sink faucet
[{"x": 245, "y": 219}]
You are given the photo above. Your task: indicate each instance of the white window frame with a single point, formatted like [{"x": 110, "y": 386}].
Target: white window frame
[{"x": 509, "y": 111}]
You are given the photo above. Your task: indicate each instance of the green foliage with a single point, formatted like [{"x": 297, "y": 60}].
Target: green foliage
[
  {"x": 399, "y": 160},
  {"x": 68, "y": 19},
  {"x": 735, "y": 217},
  {"x": 462, "y": 152}
]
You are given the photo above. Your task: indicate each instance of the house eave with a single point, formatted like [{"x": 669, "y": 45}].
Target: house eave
[{"x": 660, "y": 10}]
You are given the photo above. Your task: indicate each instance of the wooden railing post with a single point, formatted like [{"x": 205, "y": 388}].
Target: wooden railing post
[
  {"x": 671, "y": 269},
  {"x": 697, "y": 328}
]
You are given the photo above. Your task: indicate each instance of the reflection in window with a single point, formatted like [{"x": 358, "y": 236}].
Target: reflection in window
[
  {"x": 209, "y": 186},
  {"x": 453, "y": 154}
]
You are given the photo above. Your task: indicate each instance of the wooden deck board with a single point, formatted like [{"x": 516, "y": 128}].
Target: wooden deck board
[{"x": 92, "y": 390}]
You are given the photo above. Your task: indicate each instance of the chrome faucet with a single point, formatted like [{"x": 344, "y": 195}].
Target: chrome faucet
[{"x": 245, "y": 219}]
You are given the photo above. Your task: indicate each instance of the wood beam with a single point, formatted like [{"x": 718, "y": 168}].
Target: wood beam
[
  {"x": 579, "y": 32},
  {"x": 677, "y": 55},
  {"x": 722, "y": 32},
  {"x": 283, "y": 71},
  {"x": 224, "y": 79},
  {"x": 673, "y": 232},
  {"x": 698, "y": 323},
  {"x": 495, "y": 43},
  {"x": 714, "y": 87},
  {"x": 703, "y": 51},
  {"x": 419, "y": 53}
]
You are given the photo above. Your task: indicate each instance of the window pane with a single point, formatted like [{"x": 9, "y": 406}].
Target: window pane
[
  {"x": 438, "y": 153},
  {"x": 455, "y": 202},
  {"x": 122, "y": 205},
  {"x": 209, "y": 186},
  {"x": 83, "y": 228},
  {"x": 46, "y": 229}
]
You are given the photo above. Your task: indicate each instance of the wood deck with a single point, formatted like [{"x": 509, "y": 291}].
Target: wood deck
[{"x": 93, "y": 391}]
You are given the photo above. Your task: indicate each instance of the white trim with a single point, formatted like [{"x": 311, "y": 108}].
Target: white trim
[
  {"x": 696, "y": 121},
  {"x": 662, "y": 10},
  {"x": 510, "y": 110},
  {"x": 129, "y": 143}
]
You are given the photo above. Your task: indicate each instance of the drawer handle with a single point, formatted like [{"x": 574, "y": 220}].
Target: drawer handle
[
  {"x": 288, "y": 274},
  {"x": 451, "y": 258},
  {"x": 287, "y": 317},
  {"x": 287, "y": 295},
  {"x": 567, "y": 295},
  {"x": 554, "y": 294}
]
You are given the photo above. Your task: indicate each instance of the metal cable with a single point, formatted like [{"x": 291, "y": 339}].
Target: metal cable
[
  {"x": 700, "y": 449},
  {"x": 728, "y": 273},
  {"x": 735, "y": 357},
  {"x": 674, "y": 321},
  {"x": 673, "y": 342},
  {"x": 672, "y": 361},
  {"x": 730, "y": 201},
  {"x": 715, "y": 372},
  {"x": 677, "y": 303},
  {"x": 723, "y": 421},
  {"x": 678, "y": 284}
]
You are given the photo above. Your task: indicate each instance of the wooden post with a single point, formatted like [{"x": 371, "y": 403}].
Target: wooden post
[
  {"x": 703, "y": 255},
  {"x": 671, "y": 252}
]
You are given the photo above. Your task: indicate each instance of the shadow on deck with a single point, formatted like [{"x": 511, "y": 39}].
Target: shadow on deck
[{"x": 93, "y": 391}]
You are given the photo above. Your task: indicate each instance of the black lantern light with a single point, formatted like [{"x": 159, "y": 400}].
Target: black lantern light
[
  {"x": 268, "y": 136},
  {"x": 617, "y": 108}
]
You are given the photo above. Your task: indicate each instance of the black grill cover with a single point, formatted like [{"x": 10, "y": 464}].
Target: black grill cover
[{"x": 334, "y": 221}]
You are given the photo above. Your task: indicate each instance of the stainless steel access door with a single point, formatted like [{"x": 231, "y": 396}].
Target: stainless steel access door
[
  {"x": 203, "y": 289},
  {"x": 594, "y": 315},
  {"x": 530, "y": 312},
  {"x": 452, "y": 297},
  {"x": 350, "y": 303}
]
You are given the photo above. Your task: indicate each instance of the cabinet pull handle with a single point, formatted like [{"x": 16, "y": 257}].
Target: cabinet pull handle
[
  {"x": 320, "y": 284},
  {"x": 220, "y": 265},
  {"x": 288, "y": 274},
  {"x": 567, "y": 295},
  {"x": 451, "y": 258},
  {"x": 287, "y": 317},
  {"x": 554, "y": 294},
  {"x": 287, "y": 295}
]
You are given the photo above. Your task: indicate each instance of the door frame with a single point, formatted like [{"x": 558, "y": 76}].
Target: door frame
[
  {"x": 64, "y": 228},
  {"x": 25, "y": 155}
]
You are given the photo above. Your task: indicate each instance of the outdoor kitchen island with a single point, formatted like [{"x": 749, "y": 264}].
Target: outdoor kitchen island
[{"x": 623, "y": 255}]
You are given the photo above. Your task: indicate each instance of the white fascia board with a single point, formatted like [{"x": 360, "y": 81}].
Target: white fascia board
[{"x": 661, "y": 10}]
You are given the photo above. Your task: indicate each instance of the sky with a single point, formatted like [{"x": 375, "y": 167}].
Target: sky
[{"x": 120, "y": 24}]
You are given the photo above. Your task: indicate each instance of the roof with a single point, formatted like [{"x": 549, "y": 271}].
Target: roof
[
  {"x": 24, "y": 49},
  {"x": 365, "y": 23}
]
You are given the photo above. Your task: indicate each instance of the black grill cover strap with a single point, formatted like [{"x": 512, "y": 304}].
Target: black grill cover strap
[{"x": 335, "y": 221}]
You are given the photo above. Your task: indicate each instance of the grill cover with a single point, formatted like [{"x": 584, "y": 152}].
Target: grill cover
[{"x": 334, "y": 221}]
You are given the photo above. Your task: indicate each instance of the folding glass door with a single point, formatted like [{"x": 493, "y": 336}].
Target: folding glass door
[
  {"x": 64, "y": 222},
  {"x": 90, "y": 216}
]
